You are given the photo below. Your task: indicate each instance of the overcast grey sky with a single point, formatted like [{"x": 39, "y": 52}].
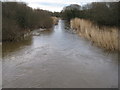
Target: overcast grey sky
[{"x": 56, "y": 5}]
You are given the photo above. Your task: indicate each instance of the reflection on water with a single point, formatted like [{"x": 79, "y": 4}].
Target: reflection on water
[
  {"x": 58, "y": 58},
  {"x": 8, "y": 47}
]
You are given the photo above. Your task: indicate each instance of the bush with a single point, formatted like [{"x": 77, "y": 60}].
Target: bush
[
  {"x": 18, "y": 17},
  {"x": 101, "y": 13},
  {"x": 70, "y": 14},
  {"x": 104, "y": 13}
]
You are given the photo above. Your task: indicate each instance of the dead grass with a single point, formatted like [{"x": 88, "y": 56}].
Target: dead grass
[
  {"x": 105, "y": 37},
  {"x": 55, "y": 20}
]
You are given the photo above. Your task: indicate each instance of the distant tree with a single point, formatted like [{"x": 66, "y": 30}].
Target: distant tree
[
  {"x": 101, "y": 13},
  {"x": 56, "y": 14},
  {"x": 69, "y": 14}
]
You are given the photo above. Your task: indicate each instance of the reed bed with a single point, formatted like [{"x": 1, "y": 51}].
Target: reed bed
[
  {"x": 105, "y": 37},
  {"x": 55, "y": 20}
]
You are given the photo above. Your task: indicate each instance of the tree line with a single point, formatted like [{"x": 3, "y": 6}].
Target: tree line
[
  {"x": 17, "y": 18},
  {"x": 101, "y": 13}
]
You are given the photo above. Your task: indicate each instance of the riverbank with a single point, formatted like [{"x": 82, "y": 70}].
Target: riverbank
[
  {"x": 105, "y": 37},
  {"x": 17, "y": 24},
  {"x": 22, "y": 34}
]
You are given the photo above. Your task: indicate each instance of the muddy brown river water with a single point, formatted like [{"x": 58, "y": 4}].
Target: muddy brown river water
[{"x": 58, "y": 58}]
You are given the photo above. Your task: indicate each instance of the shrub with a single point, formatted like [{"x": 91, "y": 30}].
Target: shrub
[
  {"x": 101, "y": 13},
  {"x": 18, "y": 17}
]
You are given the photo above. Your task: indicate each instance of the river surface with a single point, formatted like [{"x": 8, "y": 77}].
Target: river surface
[{"x": 58, "y": 58}]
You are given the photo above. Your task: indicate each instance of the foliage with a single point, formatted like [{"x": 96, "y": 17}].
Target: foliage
[
  {"x": 18, "y": 17},
  {"x": 70, "y": 14},
  {"x": 56, "y": 14},
  {"x": 101, "y": 13}
]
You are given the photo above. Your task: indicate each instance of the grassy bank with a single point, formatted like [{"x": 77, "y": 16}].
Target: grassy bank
[
  {"x": 19, "y": 19},
  {"x": 105, "y": 37}
]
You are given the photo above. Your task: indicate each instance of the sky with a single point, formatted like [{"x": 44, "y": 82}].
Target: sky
[{"x": 56, "y": 5}]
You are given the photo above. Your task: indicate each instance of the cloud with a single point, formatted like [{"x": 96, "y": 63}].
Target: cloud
[
  {"x": 56, "y": 5},
  {"x": 46, "y": 7},
  {"x": 52, "y": 5}
]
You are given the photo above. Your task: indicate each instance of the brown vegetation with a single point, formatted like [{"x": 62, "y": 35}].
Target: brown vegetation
[
  {"x": 18, "y": 19},
  {"x": 106, "y": 37},
  {"x": 55, "y": 20}
]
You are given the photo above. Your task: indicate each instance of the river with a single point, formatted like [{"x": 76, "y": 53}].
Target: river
[{"x": 58, "y": 58}]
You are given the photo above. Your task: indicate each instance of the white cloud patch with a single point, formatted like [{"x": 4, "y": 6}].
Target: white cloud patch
[{"x": 56, "y": 5}]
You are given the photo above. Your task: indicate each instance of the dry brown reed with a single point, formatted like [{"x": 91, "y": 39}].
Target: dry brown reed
[
  {"x": 55, "y": 20},
  {"x": 105, "y": 37}
]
